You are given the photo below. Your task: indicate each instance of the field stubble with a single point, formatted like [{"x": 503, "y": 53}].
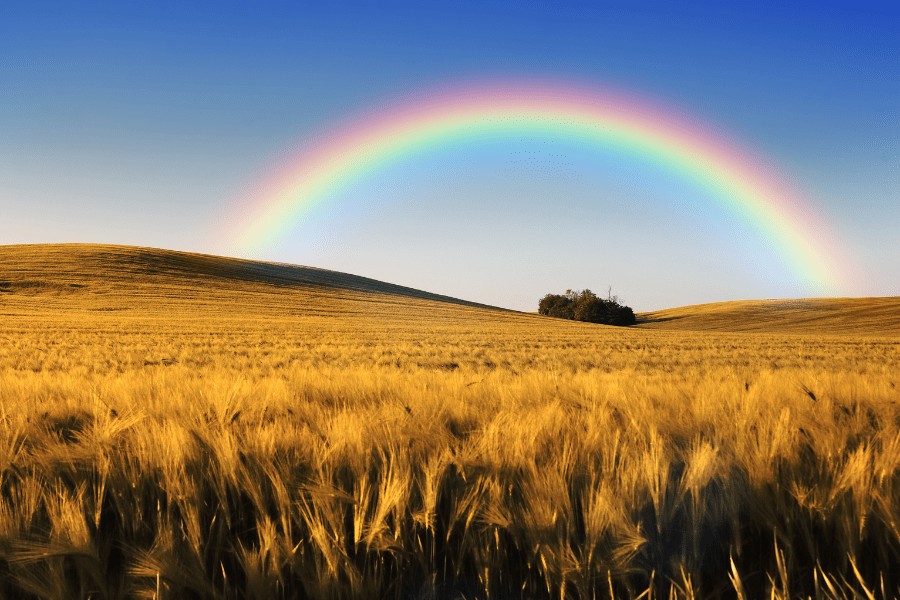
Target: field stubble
[{"x": 256, "y": 441}]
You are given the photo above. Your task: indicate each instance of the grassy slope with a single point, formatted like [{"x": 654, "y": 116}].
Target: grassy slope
[
  {"x": 99, "y": 278},
  {"x": 856, "y": 316},
  {"x": 107, "y": 277},
  {"x": 351, "y": 432}
]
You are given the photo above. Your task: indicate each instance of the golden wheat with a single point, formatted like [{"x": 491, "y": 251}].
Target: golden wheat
[{"x": 220, "y": 437}]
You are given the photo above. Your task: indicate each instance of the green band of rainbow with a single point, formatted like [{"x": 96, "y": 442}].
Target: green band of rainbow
[{"x": 477, "y": 111}]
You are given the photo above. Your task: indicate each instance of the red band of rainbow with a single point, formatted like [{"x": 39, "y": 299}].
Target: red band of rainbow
[{"x": 473, "y": 111}]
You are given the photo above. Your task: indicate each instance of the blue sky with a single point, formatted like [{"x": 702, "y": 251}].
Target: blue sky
[{"x": 142, "y": 123}]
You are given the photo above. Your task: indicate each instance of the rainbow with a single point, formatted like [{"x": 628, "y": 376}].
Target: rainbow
[{"x": 474, "y": 111}]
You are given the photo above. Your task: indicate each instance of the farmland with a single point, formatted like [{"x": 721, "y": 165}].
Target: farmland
[{"x": 186, "y": 426}]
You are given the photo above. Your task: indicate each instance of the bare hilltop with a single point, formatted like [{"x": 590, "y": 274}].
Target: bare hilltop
[{"x": 98, "y": 277}]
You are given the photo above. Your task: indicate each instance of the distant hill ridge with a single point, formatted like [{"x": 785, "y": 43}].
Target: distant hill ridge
[
  {"x": 68, "y": 267},
  {"x": 99, "y": 277},
  {"x": 869, "y": 316}
]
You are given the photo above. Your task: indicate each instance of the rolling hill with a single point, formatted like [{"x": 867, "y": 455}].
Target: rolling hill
[
  {"x": 103, "y": 278},
  {"x": 855, "y": 316},
  {"x": 98, "y": 278},
  {"x": 237, "y": 413}
]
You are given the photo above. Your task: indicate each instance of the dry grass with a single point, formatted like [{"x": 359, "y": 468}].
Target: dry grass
[
  {"x": 857, "y": 317},
  {"x": 181, "y": 426}
]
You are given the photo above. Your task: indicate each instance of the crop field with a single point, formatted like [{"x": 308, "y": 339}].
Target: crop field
[{"x": 185, "y": 426}]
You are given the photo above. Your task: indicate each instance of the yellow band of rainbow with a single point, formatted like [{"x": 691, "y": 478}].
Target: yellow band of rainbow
[{"x": 476, "y": 111}]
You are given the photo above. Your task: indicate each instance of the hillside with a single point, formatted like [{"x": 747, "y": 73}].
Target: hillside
[
  {"x": 162, "y": 411},
  {"x": 857, "y": 316},
  {"x": 105, "y": 278},
  {"x": 68, "y": 279}
]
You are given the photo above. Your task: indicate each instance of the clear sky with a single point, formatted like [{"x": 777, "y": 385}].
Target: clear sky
[{"x": 149, "y": 123}]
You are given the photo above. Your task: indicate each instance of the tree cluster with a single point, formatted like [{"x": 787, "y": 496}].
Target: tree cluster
[{"x": 586, "y": 306}]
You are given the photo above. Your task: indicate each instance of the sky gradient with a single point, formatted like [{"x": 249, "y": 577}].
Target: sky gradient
[{"x": 156, "y": 124}]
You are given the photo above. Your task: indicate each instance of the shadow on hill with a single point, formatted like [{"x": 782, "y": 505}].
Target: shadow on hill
[
  {"x": 44, "y": 267},
  {"x": 639, "y": 320}
]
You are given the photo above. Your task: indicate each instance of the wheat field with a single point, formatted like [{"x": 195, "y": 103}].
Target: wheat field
[{"x": 185, "y": 426}]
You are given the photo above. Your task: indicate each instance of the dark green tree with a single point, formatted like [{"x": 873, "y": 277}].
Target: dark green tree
[
  {"x": 561, "y": 307},
  {"x": 590, "y": 308},
  {"x": 586, "y": 306}
]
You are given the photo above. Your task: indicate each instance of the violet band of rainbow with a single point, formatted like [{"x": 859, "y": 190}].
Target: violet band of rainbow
[{"x": 470, "y": 112}]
